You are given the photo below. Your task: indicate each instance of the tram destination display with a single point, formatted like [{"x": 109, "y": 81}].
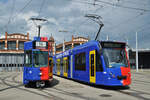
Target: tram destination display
[
  {"x": 39, "y": 44},
  {"x": 112, "y": 45}
]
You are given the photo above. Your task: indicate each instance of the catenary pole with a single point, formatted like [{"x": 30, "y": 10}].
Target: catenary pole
[{"x": 137, "y": 66}]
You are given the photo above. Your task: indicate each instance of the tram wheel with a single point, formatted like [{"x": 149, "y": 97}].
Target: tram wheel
[
  {"x": 40, "y": 84},
  {"x": 26, "y": 85}
]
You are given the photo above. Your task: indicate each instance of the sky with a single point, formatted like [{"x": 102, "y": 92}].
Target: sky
[{"x": 121, "y": 19}]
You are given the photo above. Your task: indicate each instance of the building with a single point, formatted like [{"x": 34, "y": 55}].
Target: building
[
  {"x": 12, "y": 49},
  {"x": 52, "y": 44},
  {"x": 70, "y": 44},
  {"x": 143, "y": 58}
]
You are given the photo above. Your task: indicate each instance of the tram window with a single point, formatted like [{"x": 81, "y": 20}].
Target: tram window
[
  {"x": 68, "y": 62},
  {"x": 92, "y": 64},
  {"x": 66, "y": 65},
  {"x": 50, "y": 63},
  {"x": 99, "y": 66},
  {"x": 61, "y": 62},
  {"x": 40, "y": 58},
  {"x": 80, "y": 61},
  {"x": 58, "y": 66},
  {"x": 28, "y": 59}
]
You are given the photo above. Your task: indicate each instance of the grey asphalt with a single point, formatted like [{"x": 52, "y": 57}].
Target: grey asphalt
[{"x": 11, "y": 88}]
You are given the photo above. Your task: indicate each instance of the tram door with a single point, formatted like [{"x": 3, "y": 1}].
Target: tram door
[
  {"x": 65, "y": 66},
  {"x": 50, "y": 66},
  {"x": 58, "y": 66},
  {"x": 92, "y": 65}
]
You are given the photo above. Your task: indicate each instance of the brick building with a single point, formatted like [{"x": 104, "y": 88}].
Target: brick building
[
  {"x": 70, "y": 44},
  {"x": 52, "y": 44},
  {"x": 12, "y": 49}
]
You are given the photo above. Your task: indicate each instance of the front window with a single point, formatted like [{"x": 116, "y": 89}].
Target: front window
[
  {"x": 115, "y": 57},
  {"x": 40, "y": 58}
]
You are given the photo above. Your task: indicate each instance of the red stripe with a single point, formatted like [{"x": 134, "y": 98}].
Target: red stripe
[
  {"x": 125, "y": 71},
  {"x": 45, "y": 73}
]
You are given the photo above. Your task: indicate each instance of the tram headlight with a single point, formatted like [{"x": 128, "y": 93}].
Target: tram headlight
[
  {"x": 40, "y": 74},
  {"x": 112, "y": 75},
  {"x": 121, "y": 81},
  {"x": 30, "y": 72}
]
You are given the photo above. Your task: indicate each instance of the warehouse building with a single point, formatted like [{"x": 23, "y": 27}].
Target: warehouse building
[
  {"x": 70, "y": 44},
  {"x": 12, "y": 50},
  {"x": 143, "y": 58}
]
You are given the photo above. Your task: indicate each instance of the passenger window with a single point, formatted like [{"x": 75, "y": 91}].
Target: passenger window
[
  {"x": 80, "y": 61},
  {"x": 61, "y": 64},
  {"x": 92, "y": 64},
  {"x": 50, "y": 63},
  {"x": 58, "y": 65},
  {"x": 99, "y": 66},
  {"x": 66, "y": 65}
]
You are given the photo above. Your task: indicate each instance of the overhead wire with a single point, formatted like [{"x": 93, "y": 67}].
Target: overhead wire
[
  {"x": 11, "y": 14},
  {"x": 85, "y": 2},
  {"x": 40, "y": 10},
  {"x": 126, "y": 21},
  {"x": 25, "y": 6},
  {"x": 20, "y": 11},
  {"x": 122, "y": 6},
  {"x": 134, "y": 2},
  {"x": 117, "y": 5}
]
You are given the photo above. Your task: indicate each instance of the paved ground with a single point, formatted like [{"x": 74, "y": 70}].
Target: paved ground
[{"x": 11, "y": 88}]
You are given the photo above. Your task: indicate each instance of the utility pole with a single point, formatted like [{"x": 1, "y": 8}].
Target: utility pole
[
  {"x": 137, "y": 66},
  {"x": 35, "y": 20},
  {"x": 97, "y": 19},
  {"x": 107, "y": 38}
]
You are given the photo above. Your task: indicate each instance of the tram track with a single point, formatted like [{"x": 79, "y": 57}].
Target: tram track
[
  {"x": 135, "y": 94},
  {"x": 56, "y": 93},
  {"x": 75, "y": 95},
  {"x": 10, "y": 86},
  {"x": 143, "y": 82}
]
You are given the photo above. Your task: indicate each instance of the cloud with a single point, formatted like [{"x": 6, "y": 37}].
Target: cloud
[{"x": 119, "y": 23}]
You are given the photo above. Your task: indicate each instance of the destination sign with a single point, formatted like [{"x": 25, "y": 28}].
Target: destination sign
[
  {"x": 40, "y": 44},
  {"x": 112, "y": 45}
]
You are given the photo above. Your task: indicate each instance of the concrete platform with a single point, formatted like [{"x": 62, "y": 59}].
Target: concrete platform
[{"x": 11, "y": 88}]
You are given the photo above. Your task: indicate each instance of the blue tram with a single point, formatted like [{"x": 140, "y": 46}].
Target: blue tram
[
  {"x": 38, "y": 63},
  {"x": 100, "y": 63}
]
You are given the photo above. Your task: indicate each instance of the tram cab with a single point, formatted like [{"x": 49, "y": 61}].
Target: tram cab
[{"x": 37, "y": 63}]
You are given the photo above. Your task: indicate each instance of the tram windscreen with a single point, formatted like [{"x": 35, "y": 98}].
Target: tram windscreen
[
  {"x": 115, "y": 55},
  {"x": 40, "y": 58}
]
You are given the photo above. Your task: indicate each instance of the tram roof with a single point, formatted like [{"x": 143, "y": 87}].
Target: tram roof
[{"x": 87, "y": 44}]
